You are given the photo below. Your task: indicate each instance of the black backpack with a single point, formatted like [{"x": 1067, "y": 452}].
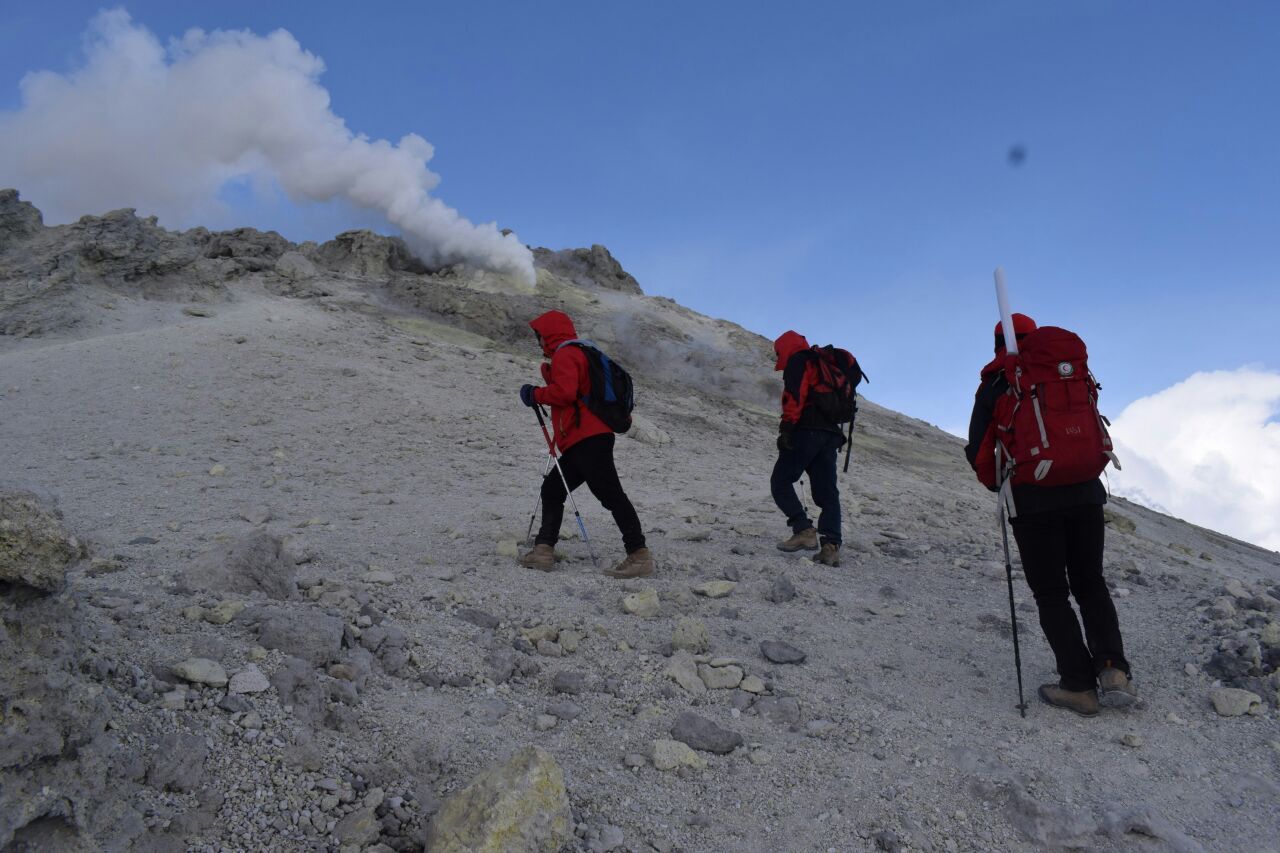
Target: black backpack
[
  {"x": 833, "y": 390},
  {"x": 612, "y": 395}
]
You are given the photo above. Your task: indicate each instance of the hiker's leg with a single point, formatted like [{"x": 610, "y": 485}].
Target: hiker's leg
[
  {"x": 554, "y": 496},
  {"x": 786, "y": 471},
  {"x": 824, "y": 486},
  {"x": 602, "y": 479},
  {"x": 1086, "y": 531},
  {"x": 1042, "y": 544}
]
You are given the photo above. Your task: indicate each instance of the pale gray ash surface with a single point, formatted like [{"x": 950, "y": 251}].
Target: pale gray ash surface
[{"x": 259, "y": 508}]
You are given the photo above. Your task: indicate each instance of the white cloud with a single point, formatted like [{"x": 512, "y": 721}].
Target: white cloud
[
  {"x": 164, "y": 129},
  {"x": 1207, "y": 450}
]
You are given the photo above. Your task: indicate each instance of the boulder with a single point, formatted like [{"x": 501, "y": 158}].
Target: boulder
[
  {"x": 690, "y": 635},
  {"x": 671, "y": 754},
  {"x": 701, "y": 733},
  {"x": 201, "y": 671},
  {"x": 256, "y": 562},
  {"x": 519, "y": 805},
  {"x": 313, "y": 637},
  {"x": 178, "y": 763},
  {"x": 35, "y": 548},
  {"x": 643, "y": 603},
  {"x": 1233, "y": 702}
]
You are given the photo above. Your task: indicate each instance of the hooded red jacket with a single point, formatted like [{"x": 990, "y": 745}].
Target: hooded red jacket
[
  {"x": 568, "y": 382},
  {"x": 794, "y": 386}
]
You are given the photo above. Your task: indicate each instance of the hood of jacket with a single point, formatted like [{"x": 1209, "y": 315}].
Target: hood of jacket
[
  {"x": 553, "y": 328},
  {"x": 788, "y": 344}
]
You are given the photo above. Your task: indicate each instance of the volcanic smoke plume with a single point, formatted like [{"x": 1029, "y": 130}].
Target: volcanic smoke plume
[{"x": 164, "y": 129}]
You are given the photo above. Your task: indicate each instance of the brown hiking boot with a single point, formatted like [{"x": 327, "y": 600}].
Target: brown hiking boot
[
  {"x": 1083, "y": 702},
  {"x": 638, "y": 564},
  {"x": 805, "y": 540},
  {"x": 1116, "y": 689},
  {"x": 540, "y": 557},
  {"x": 829, "y": 555}
]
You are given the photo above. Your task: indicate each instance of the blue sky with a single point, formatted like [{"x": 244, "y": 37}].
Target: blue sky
[{"x": 837, "y": 168}]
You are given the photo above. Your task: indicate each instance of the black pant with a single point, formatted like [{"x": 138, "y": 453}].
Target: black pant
[
  {"x": 589, "y": 461},
  {"x": 1062, "y": 555},
  {"x": 813, "y": 452}
]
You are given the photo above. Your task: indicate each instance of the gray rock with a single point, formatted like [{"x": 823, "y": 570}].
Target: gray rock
[
  {"x": 178, "y": 762},
  {"x": 297, "y": 686},
  {"x": 359, "y": 829},
  {"x": 702, "y": 734},
  {"x": 783, "y": 710},
  {"x": 502, "y": 665},
  {"x": 690, "y": 635},
  {"x": 589, "y": 268},
  {"x": 567, "y": 711},
  {"x": 256, "y": 562},
  {"x": 295, "y": 266},
  {"x": 780, "y": 652},
  {"x": 478, "y": 617},
  {"x": 782, "y": 590},
  {"x": 35, "y": 548},
  {"x": 314, "y": 637},
  {"x": 201, "y": 671},
  {"x": 235, "y": 704},
  {"x": 1233, "y": 702},
  {"x": 567, "y": 681},
  {"x": 519, "y": 805}
]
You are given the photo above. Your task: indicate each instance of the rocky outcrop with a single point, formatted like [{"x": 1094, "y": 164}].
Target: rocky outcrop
[
  {"x": 367, "y": 254},
  {"x": 594, "y": 267},
  {"x": 18, "y": 219}
]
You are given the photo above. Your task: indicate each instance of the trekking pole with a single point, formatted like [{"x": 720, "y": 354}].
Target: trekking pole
[
  {"x": 848, "y": 450},
  {"x": 1013, "y": 616},
  {"x": 551, "y": 450},
  {"x": 546, "y": 469}
]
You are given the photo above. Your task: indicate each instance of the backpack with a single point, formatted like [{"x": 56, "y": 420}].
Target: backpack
[
  {"x": 832, "y": 390},
  {"x": 1048, "y": 430},
  {"x": 612, "y": 395}
]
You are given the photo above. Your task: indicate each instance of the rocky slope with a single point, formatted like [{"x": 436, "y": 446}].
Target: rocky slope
[{"x": 274, "y": 604}]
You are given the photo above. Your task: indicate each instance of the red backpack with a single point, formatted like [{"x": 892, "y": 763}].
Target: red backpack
[
  {"x": 1048, "y": 431},
  {"x": 832, "y": 382}
]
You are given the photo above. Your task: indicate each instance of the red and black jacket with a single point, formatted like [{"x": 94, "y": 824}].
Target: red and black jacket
[
  {"x": 568, "y": 381},
  {"x": 796, "y": 360}
]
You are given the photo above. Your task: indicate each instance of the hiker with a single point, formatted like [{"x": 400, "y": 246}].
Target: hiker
[
  {"x": 585, "y": 443},
  {"x": 1059, "y": 528},
  {"x": 810, "y": 438}
]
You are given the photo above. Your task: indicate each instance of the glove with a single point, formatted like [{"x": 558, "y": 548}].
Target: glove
[
  {"x": 784, "y": 435},
  {"x": 526, "y": 396}
]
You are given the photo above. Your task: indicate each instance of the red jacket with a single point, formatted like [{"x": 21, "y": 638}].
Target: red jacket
[
  {"x": 794, "y": 385},
  {"x": 567, "y": 382}
]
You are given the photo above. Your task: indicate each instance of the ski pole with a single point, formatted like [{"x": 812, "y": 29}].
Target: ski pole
[
  {"x": 1013, "y": 616},
  {"x": 551, "y": 450},
  {"x": 546, "y": 469}
]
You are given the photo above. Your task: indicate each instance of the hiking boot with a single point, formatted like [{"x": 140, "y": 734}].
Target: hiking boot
[
  {"x": 638, "y": 564},
  {"x": 805, "y": 540},
  {"x": 829, "y": 555},
  {"x": 540, "y": 557},
  {"x": 1083, "y": 702},
  {"x": 1116, "y": 689}
]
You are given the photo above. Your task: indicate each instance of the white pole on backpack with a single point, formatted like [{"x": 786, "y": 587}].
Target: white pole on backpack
[{"x": 1006, "y": 317}]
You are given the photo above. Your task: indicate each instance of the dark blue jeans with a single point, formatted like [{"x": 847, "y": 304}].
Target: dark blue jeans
[{"x": 813, "y": 452}]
